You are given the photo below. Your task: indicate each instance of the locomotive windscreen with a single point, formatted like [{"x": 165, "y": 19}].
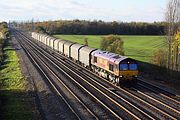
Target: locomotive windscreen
[
  {"x": 128, "y": 64},
  {"x": 133, "y": 66},
  {"x": 123, "y": 66}
]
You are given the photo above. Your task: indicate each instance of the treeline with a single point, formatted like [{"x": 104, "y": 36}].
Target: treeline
[
  {"x": 83, "y": 27},
  {"x": 4, "y": 34}
]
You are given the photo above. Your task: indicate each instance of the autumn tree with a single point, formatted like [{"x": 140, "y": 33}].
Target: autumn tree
[
  {"x": 176, "y": 51},
  {"x": 113, "y": 44},
  {"x": 172, "y": 18}
]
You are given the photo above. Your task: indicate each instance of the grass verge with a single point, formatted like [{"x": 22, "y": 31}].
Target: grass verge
[{"x": 15, "y": 101}]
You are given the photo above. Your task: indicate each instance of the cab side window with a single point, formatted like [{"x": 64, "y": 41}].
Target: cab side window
[
  {"x": 95, "y": 59},
  {"x": 111, "y": 67}
]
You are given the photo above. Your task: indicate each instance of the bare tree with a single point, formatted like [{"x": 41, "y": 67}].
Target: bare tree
[{"x": 172, "y": 18}]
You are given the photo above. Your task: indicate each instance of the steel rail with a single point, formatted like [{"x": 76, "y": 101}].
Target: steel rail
[{"x": 85, "y": 89}]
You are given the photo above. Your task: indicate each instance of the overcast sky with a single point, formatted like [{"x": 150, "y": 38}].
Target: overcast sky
[{"x": 107, "y": 10}]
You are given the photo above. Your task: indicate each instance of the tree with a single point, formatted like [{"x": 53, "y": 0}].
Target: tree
[
  {"x": 95, "y": 27},
  {"x": 106, "y": 41},
  {"x": 113, "y": 44},
  {"x": 4, "y": 33},
  {"x": 120, "y": 48},
  {"x": 176, "y": 50},
  {"x": 172, "y": 18},
  {"x": 40, "y": 29},
  {"x": 159, "y": 58}
]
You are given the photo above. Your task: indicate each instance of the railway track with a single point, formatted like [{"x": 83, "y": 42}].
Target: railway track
[
  {"x": 164, "y": 98},
  {"x": 113, "y": 104},
  {"x": 45, "y": 70},
  {"x": 113, "y": 116},
  {"x": 160, "y": 102},
  {"x": 119, "y": 109},
  {"x": 128, "y": 101},
  {"x": 162, "y": 91}
]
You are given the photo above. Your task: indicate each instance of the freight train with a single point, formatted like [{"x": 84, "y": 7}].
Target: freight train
[{"x": 113, "y": 67}]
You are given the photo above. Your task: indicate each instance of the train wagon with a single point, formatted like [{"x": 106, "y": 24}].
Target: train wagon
[
  {"x": 67, "y": 48},
  {"x": 43, "y": 40},
  {"x": 35, "y": 36},
  {"x": 85, "y": 56},
  {"x": 56, "y": 44},
  {"x": 49, "y": 39},
  {"x": 61, "y": 46},
  {"x": 40, "y": 38},
  {"x": 75, "y": 51},
  {"x": 51, "y": 42},
  {"x": 46, "y": 40}
]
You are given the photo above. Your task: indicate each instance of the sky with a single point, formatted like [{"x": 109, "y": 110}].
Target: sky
[{"x": 106, "y": 10}]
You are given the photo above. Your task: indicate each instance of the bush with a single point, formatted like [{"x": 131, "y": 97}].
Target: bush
[
  {"x": 5, "y": 34},
  {"x": 113, "y": 44}
]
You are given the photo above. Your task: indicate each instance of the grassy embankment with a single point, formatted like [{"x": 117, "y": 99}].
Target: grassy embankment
[
  {"x": 138, "y": 47},
  {"x": 16, "y": 103}
]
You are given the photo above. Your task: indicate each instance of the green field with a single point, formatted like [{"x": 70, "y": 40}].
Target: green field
[{"x": 137, "y": 47}]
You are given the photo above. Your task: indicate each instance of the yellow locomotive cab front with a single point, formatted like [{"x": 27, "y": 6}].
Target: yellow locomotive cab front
[
  {"x": 128, "y": 70},
  {"x": 128, "y": 74}
]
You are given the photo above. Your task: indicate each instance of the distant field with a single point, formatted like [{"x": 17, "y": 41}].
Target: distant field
[{"x": 137, "y": 47}]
